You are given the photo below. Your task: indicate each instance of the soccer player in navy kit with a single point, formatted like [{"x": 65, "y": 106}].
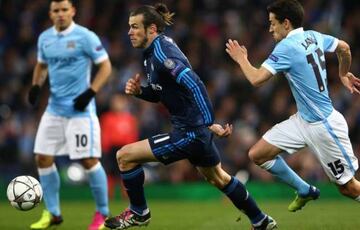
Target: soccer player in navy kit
[
  {"x": 299, "y": 56},
  {"x": 69, "y": 125},
  {"x": 172, "y": 82}
]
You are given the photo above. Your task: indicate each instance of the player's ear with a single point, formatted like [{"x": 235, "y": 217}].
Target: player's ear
[
  {"x": 287, "y": 24},
  {"x": 152, "y": 29},
  {"x": 73, "y": 9}
]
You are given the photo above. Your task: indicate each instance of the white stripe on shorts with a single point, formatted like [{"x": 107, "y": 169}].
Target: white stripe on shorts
[{"x": 161, "y": 139}]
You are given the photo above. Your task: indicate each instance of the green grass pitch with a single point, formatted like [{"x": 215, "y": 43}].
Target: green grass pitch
[{"x": 201, "y": 215}]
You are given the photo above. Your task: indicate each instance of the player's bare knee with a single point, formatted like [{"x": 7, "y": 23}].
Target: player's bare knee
[
  {"x": 122, "y": 157},
  {"x": 43, "y": 161},
  {"x": 88, "y": 163},
  {"x": 254, "y": 156},
  {"x": 350, "y": 189}
]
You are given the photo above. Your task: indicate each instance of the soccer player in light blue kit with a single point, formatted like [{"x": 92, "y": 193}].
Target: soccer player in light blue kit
[
  {"x": 69, "y": 125},
  {"x": 299, "y": 56}
]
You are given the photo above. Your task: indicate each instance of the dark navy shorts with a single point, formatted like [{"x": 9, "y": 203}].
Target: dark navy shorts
[{"x": 196, "y": 145}]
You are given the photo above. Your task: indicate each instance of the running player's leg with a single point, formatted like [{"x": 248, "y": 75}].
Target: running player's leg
[
  {"x": 266, "y": 156},
  {"x": 284, "y": 137},
  {"x": 331, "y": 144},
  {"x": 238, "y": 194},
  {"x": 129, "y": 159}
]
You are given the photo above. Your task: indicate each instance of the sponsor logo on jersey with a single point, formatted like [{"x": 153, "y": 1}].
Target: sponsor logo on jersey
[{"x": 62, "y": 60}]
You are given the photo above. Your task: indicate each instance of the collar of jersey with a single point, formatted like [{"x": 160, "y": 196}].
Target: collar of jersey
[
  {"x": 151, "y": 46},
  {"x": 65, "y": 32},
  {"x": 296, "y": 31}
]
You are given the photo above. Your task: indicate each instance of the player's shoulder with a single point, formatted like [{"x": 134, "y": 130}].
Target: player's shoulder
[
  {"x": 286, "y": 45},
  {"x": 166, "y": 42},
  {"x": 47, "y": 33},
  {"x": 82, "y": 30},
  {"x": 313, "y": 33}
]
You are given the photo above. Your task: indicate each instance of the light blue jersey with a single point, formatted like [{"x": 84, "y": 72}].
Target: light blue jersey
[
  {"x": 69, "y": 55},
  {"x": 300, "y": 56}
]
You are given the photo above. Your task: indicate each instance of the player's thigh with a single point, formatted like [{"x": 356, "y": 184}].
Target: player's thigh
[
  {"x": 263, "y": 151},
  {"x": 330, "y": 142},
  {"x": 287, "y": 136},
  {"x": 137, "y": 152},
  {"x": 83, "y": 137},
  {"x": 50, "y": 136}
]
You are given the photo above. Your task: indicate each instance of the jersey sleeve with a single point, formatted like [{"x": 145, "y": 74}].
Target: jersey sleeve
[
  {"x": 94, "y": 48},
  {"x": 176, "y": 64},
  {"x": 148, "y": 94},
  {"x": 279, "y": 60},
  {"x": 329, "y": 43},
  {"x": 40, "y": 53}
]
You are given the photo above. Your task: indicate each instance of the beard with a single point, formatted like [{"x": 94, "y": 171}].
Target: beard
[{"x": 144, "y": 42}]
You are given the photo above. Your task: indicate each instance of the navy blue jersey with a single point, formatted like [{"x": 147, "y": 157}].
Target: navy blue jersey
[{"x": 172, "y": 82}]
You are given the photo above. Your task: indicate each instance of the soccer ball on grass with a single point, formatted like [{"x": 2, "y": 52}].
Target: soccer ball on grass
[{"x": 24, "y": 193}]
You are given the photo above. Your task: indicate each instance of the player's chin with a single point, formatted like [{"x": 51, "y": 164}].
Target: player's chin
[{"x": 135, "y": 44}]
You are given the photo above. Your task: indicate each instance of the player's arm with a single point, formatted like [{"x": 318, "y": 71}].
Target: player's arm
[
  {"x": 39, "y": 77},
  {"x": 347, "y": 78},
  {"x": 39, "y": 74},
  {"x": 133, "y": 87},
  {"x": 101, "y": 77},
  {"x": 239, "y": 54}
]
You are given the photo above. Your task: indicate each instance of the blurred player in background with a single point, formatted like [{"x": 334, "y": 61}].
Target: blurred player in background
[
  {"x": 172, "y": 82},
  {"x": 69, "y": 125},
  {"x": 118, "y": 128},
  {"x": 299, "y": 56}
]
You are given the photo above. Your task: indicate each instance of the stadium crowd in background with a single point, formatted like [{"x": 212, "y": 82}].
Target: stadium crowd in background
[{"x": 201, "y": 31}]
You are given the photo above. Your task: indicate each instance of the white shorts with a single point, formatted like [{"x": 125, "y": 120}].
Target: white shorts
[
  {"x": 328, "y": 139},
  {"x": 78, "y": 137}
]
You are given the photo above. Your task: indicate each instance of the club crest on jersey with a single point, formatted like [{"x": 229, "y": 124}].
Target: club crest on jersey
[
  {"x": 70, "y": 45},
  {"x": 170, "y": 64}
]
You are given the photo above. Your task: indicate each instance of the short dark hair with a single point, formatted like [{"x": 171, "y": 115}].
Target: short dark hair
[
  {"x": 288, "y": 9},
  {"x": 72, "y": 3},
  {"x": 158, "y": 15}
]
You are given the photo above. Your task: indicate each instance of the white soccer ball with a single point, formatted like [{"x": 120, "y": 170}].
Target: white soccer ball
[{"x": 24, "y": 193}]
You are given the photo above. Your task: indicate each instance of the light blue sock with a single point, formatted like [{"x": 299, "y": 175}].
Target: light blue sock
[
  {"x": 50, "y": 183},
  {"x": 282, "y": 171},
  {"x": 99, "y": 188}
]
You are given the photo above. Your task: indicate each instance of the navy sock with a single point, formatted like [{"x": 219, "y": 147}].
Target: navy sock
[
  {"x": 241, "y": 198},
  {"x": 134, "y": 184}
]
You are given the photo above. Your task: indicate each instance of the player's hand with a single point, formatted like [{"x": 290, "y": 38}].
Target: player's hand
[
  {"x": 133, "y": 86},
  {"x": 236, "y": 52},
  {"x": 351, "y": 82},
  {"x": 221, "y": 131},
  {"x": 81, "y": 101},
  {"x": 34, "y": 94}
]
